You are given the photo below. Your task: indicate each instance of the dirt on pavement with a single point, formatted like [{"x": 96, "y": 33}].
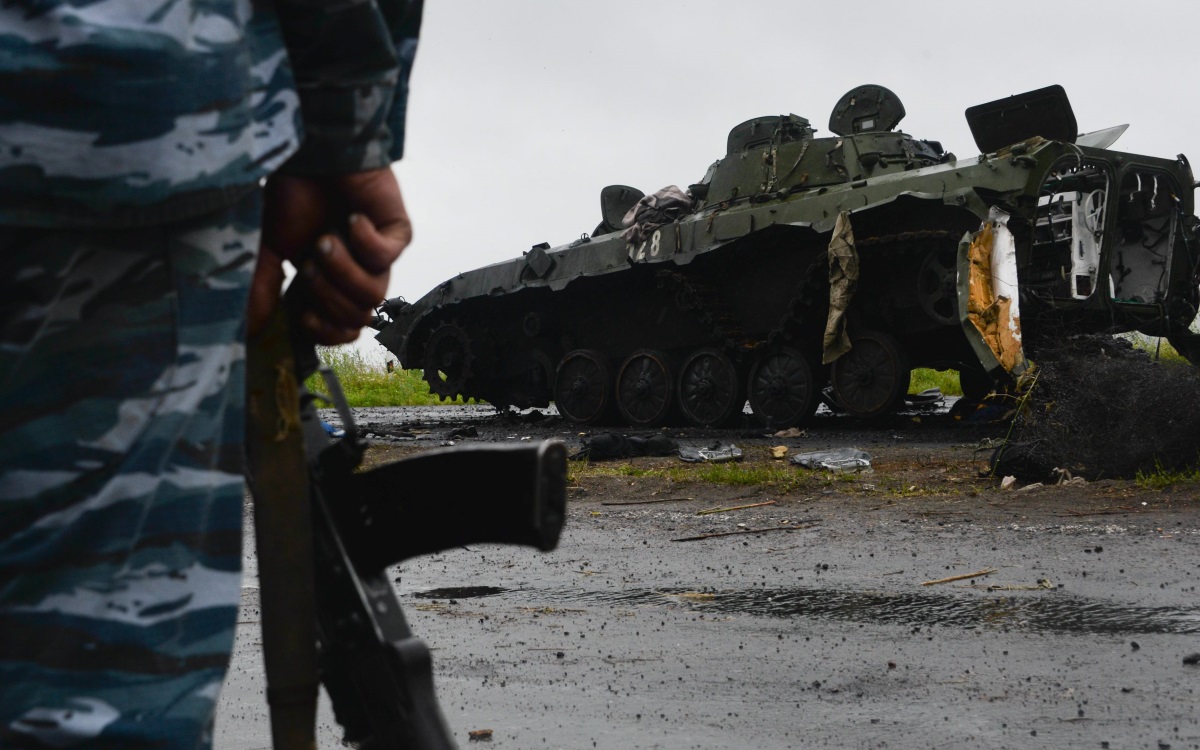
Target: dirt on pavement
[{"x": 918, "y": 605}]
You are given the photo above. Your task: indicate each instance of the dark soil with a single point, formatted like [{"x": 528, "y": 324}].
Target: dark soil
[{"x": 918, "y": 459}]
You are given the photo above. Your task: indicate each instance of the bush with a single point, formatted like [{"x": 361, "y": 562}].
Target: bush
[
  {"x": 945, "y": 380},
  {"x": 367, "y": 382}
]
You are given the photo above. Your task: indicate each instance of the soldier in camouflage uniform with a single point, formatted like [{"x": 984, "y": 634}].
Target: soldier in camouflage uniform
[{"x": 134, "y": 138}]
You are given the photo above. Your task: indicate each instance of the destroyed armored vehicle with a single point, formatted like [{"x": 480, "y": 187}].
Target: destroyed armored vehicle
[{"x": 801, "y": 265}]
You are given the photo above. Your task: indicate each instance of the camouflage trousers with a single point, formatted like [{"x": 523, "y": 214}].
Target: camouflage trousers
[{"x": 121, "y": 443}]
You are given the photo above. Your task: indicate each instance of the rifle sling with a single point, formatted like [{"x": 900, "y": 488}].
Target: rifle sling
[{"x": 279, "y": 481}]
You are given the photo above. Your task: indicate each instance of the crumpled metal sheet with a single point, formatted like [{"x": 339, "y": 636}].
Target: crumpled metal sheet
[
  {"x": 715, "y": 453},
  {"x": 849, "y": 460},
  {"x": 843, "y": 282}
]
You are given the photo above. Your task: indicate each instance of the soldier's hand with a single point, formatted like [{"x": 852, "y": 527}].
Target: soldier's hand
[{"x": 347, "y": 274}]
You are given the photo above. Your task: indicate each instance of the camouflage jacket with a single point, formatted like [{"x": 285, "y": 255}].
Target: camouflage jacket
[{"x": 135, "y": 112}]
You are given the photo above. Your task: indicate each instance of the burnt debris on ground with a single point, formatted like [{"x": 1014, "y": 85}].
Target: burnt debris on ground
[{"x": 1101, "y": 408}]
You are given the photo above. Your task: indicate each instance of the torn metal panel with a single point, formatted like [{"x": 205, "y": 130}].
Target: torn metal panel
[
  {"x": 843, "y": 281},
  {"x": 989, "y": 302},
  {"x": 1046, "y": 112}
]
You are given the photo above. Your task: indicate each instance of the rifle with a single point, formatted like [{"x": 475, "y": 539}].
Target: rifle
[{"x": 377, "y": 674}]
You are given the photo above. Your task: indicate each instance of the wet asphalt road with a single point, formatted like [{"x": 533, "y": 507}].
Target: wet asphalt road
[{"x": 821, "y": 637}]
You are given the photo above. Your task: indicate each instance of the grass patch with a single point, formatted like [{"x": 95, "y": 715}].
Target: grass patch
[
  {"x": 1162, "y": 478},
  {"x": 945, "y": 380},
  {"x": 1158, "y": 348},
  {"x": 782, "y": 477},
  {"x": 367, "y": 382}
]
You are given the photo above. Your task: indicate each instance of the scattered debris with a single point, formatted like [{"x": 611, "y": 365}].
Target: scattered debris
[
  {"x": 608, "y": 445},
  {"x": 379, "y": 431},
  {"x": 715, "y": 453},
  {"x": 477, "y": 735},
  {"x": 465, "y": 431},
  {"x": 651, "y": 502},
  {"x": 847, "y": 460},
  {"x": 930, "y": 398},
  {"x": 992, "y": 409},
  {"x": 733, "y": 507},
  {"x": 779, "y": 452},
  {"x": 1031, "y": 487},
  {"x": 1101, "y": 512},
  {"x": 1192, "y": 660},
  {"x": 962, "y": 577},
  {"x": 791, "y": 432},
  {"x": 800, "y": 525},
  {"x": 1064, "y": 477},
  {"x": 1008, "y": 483},
  {"x": 1042, "y": 583}
]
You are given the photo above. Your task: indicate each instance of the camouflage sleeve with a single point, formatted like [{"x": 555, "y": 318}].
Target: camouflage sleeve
[{"x": 351, "y": 62}]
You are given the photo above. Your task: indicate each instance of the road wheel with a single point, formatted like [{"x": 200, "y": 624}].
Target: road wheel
[
  {"x": 710, "y": 390},
  {"x": 583, "y": 386},
  {"x": 645, "y": 388},
  {"x": 782, "y": 389},
  {"x": 937, "y": 285},
  {"x": 448, "y": 360},
  {"x": 871, "y": 379}
]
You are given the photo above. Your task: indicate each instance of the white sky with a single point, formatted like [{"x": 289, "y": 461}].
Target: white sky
[{"x": 521, "y": 111}]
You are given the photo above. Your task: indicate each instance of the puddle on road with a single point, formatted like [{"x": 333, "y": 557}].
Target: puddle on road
[
  {"x": 1047, "y": 613},
  {"x": 460, "y": 592}
]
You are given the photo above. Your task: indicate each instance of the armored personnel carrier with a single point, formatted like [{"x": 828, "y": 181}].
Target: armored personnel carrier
[{"x": 801, "y": 264}]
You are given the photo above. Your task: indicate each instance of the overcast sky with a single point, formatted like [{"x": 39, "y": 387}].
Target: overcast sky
[{"x": 521, "y": 111}]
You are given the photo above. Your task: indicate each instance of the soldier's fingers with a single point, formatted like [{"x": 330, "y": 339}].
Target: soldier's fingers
[
  {"x": 376, "y": 247},
  {"x": 344, "y": 272},
  {"x": 327, "y": 299},
  {"x": 327, "y": 333}
]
